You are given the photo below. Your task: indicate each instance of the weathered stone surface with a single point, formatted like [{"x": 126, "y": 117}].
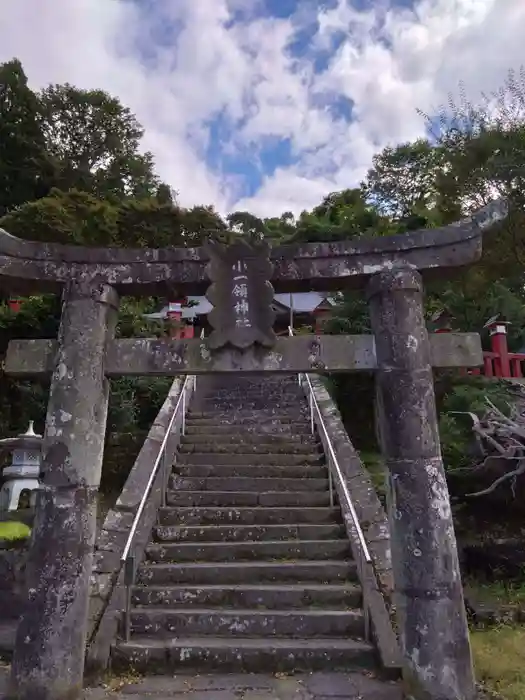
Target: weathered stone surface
[
  {"x": 245, "y": 654},
  {"x": 247, "y": 686},
  {"x": 247, "y": 483},
  {"x": 247, "y": 551},
  {"x": 251, "y": 686},
  {"x": 247, "y": 516},
  {"x": 225, "y": 499},
  {"x": 248, "y": 572},
  {"x": 115, "y": 530},
  {"x": 246, "y": 533},
  {"x": 371, "y": 517},
  {"x": 268, "y": 596},
  {"x": 12, "y": 575},
  {"x": 247, "y": 623},
  {"x": 30, "y": 266},
  {"x": 48, "y": 661},
  {"x": 241, "y": 294},
  {"x": 430, "y": 607},
  {"x": 303, "y": 353}
]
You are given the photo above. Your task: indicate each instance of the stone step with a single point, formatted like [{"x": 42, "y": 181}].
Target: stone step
[
  {"x": 285, "y": 393},
  {"x": 285, "y": 398},
  {"x": 171, "y": 655},
  {"x": 264, "y": 404},
  {"x": 282, "y": 597},
  {"x": 223, "y": 499},
  {"x": 255, "y": 428},
  {"x": 249, "y": 438},
  {"x": 247, "y": 483},
  {"x": 247, "y": 533},
  {"x": 279, "y": 460},
  {"x": 267, "y": 406},
  {"x": 198, "y": 622},
  {"x": 277, "y": 550},
  {"x": 239, "y": 418},
  {"x": 282, "y": 389},
  {"x": 249, "y": 516},
  {"x": 251, "y": 448},
  {"x": 323, "y": 571},
  {"x": 271, "y": 471}
]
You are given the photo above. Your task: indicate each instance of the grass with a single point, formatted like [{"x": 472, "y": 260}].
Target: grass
[
  {"x": 499, "y": 659},
  {"x": 499, "y": 651},
  {"x": 499, "y": 593},
  {"x": 376, "y": 468}
]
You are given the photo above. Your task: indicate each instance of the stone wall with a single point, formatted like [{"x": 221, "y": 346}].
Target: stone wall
[
  {"x": 106, "y": 599},
  {"x": 376, "y": 578},
  {"x": 12, "y": 565}
]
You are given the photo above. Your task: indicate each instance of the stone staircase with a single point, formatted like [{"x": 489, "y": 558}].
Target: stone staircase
[{"x": 249, "y": 568}]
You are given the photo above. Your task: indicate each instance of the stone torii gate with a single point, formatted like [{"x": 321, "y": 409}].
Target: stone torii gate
[{"x": 50, "y": 644}]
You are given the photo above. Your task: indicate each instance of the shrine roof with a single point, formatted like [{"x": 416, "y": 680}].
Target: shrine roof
[{"x": 302, "y": 302}]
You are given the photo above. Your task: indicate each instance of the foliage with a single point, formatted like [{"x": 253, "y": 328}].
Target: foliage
[
  {"x": 403, "y": 181},
  {"x": 78, "y": 217},
  {"x": 340, "y": 216},
  {"x": 24, "y": 164},
  {"x": 94, "y": 142},
  {"x": 14, "y": 531},
  {"x": 466, "y": 394}
]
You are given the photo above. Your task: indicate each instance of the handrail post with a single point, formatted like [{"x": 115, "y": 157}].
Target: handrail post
[
  {"x": 331, "y": 486},
  {"x": 312, "y": 423},
  {"x": 183, "y": 423},
  {"x": 366, "y": 609},
  {"x": 129, "y": 582},
  {"x": 164, "y": 485}
]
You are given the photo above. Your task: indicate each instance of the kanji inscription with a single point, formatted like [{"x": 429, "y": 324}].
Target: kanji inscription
[{"x": 241, "y": 295}]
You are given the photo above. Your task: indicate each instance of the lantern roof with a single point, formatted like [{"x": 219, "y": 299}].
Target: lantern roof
[{"x": 29, "y": 440}]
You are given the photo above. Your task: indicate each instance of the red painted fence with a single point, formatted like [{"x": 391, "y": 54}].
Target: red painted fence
[{"x": 498, "y": 361}]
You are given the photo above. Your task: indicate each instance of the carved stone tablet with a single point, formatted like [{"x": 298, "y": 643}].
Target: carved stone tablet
[{"x": 241, "y": 295}]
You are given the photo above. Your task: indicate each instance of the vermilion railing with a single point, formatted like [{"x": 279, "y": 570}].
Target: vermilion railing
[
  {"x": 499, "y": 362},
  {"x": 509, "y": 366}
]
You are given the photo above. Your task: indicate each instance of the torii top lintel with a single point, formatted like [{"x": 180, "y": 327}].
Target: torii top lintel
[{"x": 29, "y": 267}]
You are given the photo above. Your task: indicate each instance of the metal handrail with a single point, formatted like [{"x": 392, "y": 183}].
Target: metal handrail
[
  {"x": 363, "y": 546},
  {"x": 127, "y": 560},
  {"x": 156, "y": 466}
]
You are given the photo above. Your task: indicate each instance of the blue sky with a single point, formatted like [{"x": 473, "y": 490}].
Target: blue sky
[{"x": 268, "y": 105}]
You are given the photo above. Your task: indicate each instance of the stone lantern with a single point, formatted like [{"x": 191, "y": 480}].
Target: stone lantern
[{"x": 20, "y": 478}]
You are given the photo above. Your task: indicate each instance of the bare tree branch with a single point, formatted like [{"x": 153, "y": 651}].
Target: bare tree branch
[
  {"x": 502, "y": 479},
  {"x": 500, "y": 437}
]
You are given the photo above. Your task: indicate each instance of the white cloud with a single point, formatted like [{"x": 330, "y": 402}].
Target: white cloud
[{"x": 178, "y": 65}]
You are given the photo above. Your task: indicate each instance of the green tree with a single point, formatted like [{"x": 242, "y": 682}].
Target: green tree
[
  {"x": 25, "y": 169},
  {"x": 485, "y": 154},
  {"x": 78, "y": 217},
  {"x": 95, "y": 142},
  {"x": 403, "y": 181},
  {"x": 341, "y": 215}
]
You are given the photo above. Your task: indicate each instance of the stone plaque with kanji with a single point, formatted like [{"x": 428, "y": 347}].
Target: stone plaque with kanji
[{"x": 241, "y": 295}]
